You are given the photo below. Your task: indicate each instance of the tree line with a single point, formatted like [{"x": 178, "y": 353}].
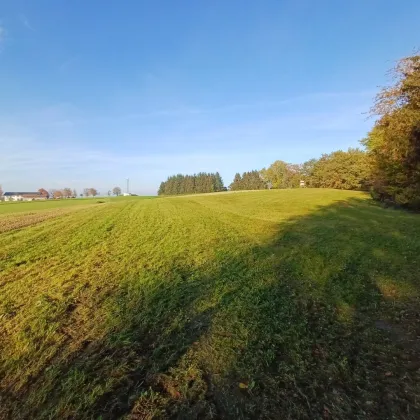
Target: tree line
[
  {"x": 192, "y": 184},
  {"x": 67, "y": 193},
  {"x": 71, "y": 193},
  {"x": 346, "y": 170},
  {"x": 58, "y": 193},
  {"x": 341, "y": 169},
  {"x": 248, "y": 181}
]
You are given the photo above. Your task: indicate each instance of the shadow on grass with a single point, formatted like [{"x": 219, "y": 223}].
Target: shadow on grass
[{"x": 286, "y": 330}]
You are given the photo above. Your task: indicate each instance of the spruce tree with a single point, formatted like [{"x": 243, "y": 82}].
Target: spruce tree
[{"x": 237, "y": 181}]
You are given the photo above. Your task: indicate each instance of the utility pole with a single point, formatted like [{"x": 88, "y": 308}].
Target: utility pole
[{"x": 128, "y": 186}]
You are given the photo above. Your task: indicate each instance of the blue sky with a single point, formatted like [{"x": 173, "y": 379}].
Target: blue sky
[{"x": 96, "y": 91}]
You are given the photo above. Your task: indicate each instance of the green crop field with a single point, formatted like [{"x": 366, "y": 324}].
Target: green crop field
[{"x": 281, "y": 304}]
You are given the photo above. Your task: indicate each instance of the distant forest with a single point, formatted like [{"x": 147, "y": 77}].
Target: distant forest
[
  {"x": 192, "y": 184},
  {"x": 389, "y": 167},
  {"x": 343, "y": 170}
]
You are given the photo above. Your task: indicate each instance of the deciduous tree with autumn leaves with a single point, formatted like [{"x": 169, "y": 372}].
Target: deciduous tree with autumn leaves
[{"x": 393, "y": 144}]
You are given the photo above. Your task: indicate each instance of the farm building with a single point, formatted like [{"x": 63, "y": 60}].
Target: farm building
[{"x": 23, "y": 196}]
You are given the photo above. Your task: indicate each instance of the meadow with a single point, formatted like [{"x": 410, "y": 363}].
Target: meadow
[
  {"x": 294, "y": 304},
  {"x": 7, "y": 207}
]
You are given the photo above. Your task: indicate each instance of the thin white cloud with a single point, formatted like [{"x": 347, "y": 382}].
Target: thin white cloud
[
  {"x": 2, "y": 36},
  {"x": 25, "y": 22},
  {"x": 176, "y": 112},
  {"x": 315, "y": 96},
  {"x": 186, "y": 111}
]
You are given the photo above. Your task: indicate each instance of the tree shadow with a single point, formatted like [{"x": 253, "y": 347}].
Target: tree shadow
[
  {"x": 283, "y": 329},
  {"x": 316, "y": 350}
]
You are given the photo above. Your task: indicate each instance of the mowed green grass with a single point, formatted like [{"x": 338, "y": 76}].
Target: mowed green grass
[{"x": 270, "y": 304}]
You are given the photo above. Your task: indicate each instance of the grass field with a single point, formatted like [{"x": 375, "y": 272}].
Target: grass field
[
  {"x": 7, "y": 207},
  {"x": 273, "y": 304}
]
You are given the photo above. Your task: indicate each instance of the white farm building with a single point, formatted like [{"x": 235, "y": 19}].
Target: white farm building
[{"x": 23, "y": 196}]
